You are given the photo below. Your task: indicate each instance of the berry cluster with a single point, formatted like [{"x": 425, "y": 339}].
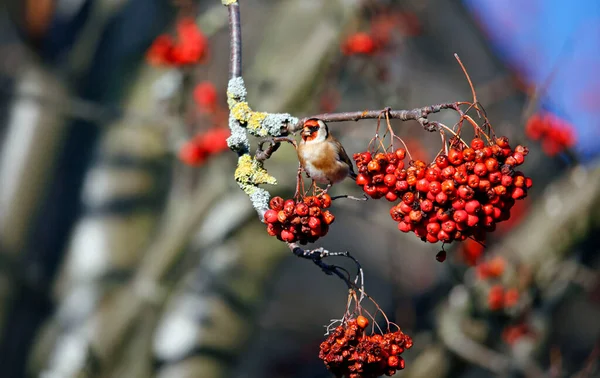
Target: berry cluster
[
  {"x": 555, "y": 134},
  {"x": 205, "y": 96},
  {"x": 190, "y": 46},
  {"x": 203, "y": 145},
  {"x": 348, "y": 352},
  {"x": 459, "y": 195},
  {"x": 303, "y": 221},
  {"x": 500, "y": 298},
  {"x": 512, "y": 333}
]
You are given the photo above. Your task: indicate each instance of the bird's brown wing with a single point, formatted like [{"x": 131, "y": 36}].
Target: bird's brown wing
[{"x": 343, "y": 156}]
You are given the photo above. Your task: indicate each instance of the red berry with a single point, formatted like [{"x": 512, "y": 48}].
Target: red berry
[
  {"x": 435, "y": 187},
  {"x": 402, "y": 186},
  {"x": 502, "y": 142},
  {"x": 496, "y": 298},
  {"x": 465, "y": 192},
  {"x": 458, "y": 204},
  {"x": 491, "y": 164},
  {"x": 441, "y": 161},
  {"x": 519, "y": 158},
  {"x": 423, "y": 185},
  {"x": 271, "y": 216},
  {"x": 528, "y": 182},
  {"x": 448, "y": 226},
  {"x": 432, "y": 174},
  {"x": 288, "y": 236},
  {"x": 314, "y": 222},
  {"x": 404, "y": 227},
  {"x": 362, "y": 322},
  {"x": 362, "y": 180},
  {"x": 370, "y": 190},
  {"x": 472, "y": 220},
  {"x": 391, "y": 196},
  {"x": 472, "y": 207},
  {"x": 276, "y": 203},
  {"x": 205, "y": 96},
  {"x": 415, "y": 216},
  {"x": 477, "y": 144},
  {"x": 389, "y": 180},
  {"x": 426, "y": 205},
  {"x": 441, "y": 198},
  {"x": 405, "y": 208},
  {"x": 518, "y": 193},
  {"x": 480, "y": 169},
  {"x": 455, "y": 157},
  {"x": 400, "y": 153},
  {"x": 359, "y": 43},
  {"x": 373, "y": 166},
  {"x": 448, "y": 187},
  {"x": 448, "y": 172},
  {"x": 433, "y": 228},
  {"x": 460, "y": 216},
  {"x": 473, "y": 181},
  {"x": 443, "y": 236}
]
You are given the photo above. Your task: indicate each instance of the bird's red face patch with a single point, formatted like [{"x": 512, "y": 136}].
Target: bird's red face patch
[{"x": 310, "y": 130}]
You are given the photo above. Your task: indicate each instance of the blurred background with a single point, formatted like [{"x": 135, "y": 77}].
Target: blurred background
[{"x": 128, "y": 250}]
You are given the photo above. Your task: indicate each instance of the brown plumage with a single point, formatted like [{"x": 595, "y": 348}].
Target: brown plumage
[{"x": 322, "y": 156}]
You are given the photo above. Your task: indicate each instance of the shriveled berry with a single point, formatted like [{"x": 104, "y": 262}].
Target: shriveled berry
[
  {"x": 441, "y": 256},
  {"x": 276, "y": 203}
]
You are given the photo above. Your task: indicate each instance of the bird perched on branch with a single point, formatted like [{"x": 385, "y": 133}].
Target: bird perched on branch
[{"x": 322, "y": 156}]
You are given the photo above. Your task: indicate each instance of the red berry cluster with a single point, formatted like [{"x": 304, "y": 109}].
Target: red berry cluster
[
  {"x": 203, "y": 145},
  {"x": 360, "y": 43},
  {"x": 205, "y": 96},
  {"x": 459, "y": 195},
  {"x": 512, "y": 333},
  {"x": 190, "y": 46},
  {"x": 555, "y": 134},
  {"x": 348, "y": 352},
  {"x": 302, "y": 221},
  {"x": 500, "y": 298},
  {"x": 492, "y": 268}
]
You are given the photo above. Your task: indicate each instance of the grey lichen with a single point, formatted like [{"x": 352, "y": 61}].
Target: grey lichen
[
  {"x": 274, "y": 122},
  {"x": 236, "y": 90},
  {"x": 260, "y": 200},
  {"x": 238, "y": 140}
]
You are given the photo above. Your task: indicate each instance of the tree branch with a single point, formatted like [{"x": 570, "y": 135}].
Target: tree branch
[
  {"x": 235, "y": 33},
  {"x": 417, "y": 114}
]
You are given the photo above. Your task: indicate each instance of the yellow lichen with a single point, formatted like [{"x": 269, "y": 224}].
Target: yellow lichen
[
  {"x": 255, "y": 124},
  {"x": 241, "y": 111},
  {"x": 250, "y": 172},
  {"x": 228, "y": 2}
]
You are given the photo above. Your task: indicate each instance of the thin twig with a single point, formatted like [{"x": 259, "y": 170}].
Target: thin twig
[
  {"x": 417, "y": 114},
  {"x": 235, "y": 36}
]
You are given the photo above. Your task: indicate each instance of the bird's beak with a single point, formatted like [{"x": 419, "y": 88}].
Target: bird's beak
[{"x": 306, "y": 132}]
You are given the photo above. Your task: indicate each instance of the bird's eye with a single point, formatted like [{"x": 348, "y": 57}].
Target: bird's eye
[{"x": 314, "y": 128}]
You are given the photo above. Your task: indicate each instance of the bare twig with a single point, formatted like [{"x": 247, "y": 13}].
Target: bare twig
[
  {"x": 235, "y": 35},
  {"x": 417, "y": 114}
]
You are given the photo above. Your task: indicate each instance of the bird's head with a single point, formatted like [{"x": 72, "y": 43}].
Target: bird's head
[{"x": 314, "y": 130}]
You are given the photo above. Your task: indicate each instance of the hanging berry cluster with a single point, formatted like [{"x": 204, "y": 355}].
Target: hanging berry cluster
[
  {"x": 459, "y": 195},
  {"x": 303, "y": 220},
  {"x": 204, "y": 145},
  {"x": 349, "y": 352},
  {"x": 555, "y": 134},
  {"x": 189, "y": 47}
]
